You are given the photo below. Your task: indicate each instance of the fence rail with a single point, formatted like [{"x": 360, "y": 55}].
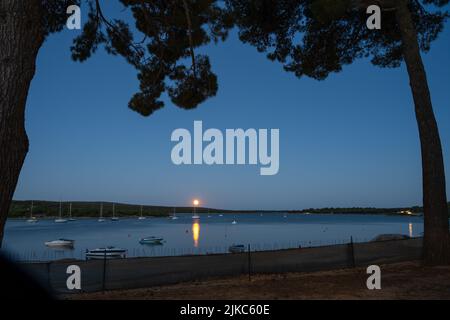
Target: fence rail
[{"x": 97, "y": 275}]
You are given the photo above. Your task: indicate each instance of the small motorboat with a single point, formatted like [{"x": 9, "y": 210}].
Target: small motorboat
[
  {"x": 195, "y": 216},
  {"x": 173, "y": 217},
  {"x": 106, "y": 253},
  {"x": 234, "y": 222},
  {"x": 236, "y": 248},
  {"x": 142, "y": 218},
  {"x": 220, "y": 215},
  {"x": 60, "y": 243},
  {"x": 114, "y": 219},
  {"x": 151, "y": 240}
]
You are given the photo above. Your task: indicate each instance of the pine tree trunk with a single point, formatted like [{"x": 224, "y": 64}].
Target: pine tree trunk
[
  {"x": 436, "y": 235},
  {"x": 20, "y": 39}
]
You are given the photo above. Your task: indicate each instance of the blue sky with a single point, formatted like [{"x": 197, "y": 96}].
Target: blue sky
[{"x": 350, "y": 140}]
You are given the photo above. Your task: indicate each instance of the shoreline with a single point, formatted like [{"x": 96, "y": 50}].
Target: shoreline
[{"x": 51, "y": 217}]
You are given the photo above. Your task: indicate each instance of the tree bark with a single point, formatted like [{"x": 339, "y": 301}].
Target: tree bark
[
  {"x": 436, "y": 226},
  {"x": 21, "y": 36}
]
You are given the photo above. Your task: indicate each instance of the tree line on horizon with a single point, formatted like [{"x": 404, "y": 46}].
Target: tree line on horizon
[{"x": 41, "y": 208}]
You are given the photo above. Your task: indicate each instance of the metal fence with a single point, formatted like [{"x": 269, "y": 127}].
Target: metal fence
[
  {"x": 97, "y": 275},
  {"x": 163, "y": 251}
]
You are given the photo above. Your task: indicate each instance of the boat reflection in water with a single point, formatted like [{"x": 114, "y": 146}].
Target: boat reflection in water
[{"x": 195, "y": 232}]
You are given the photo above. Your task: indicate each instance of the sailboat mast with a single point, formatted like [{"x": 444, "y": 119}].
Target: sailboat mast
[
  {"x": 141, "y": 211},
  {"x": 60, "y": 207},
  {"x": 70, "y": 209},
  {"x": 101, "y": 210},
  {"x": 31, "y": 210},
  {"x": 114, "y": 209}
]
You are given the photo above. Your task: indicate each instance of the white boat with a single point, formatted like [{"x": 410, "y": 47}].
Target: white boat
[
  {"x": 106, "y": 253},
  {"x": 60, "y": 243},
  {"x": 141, "y": 217},
  {"x": 173, "y": 216},
  {"x": 32, "y": 219},
  {"x": 101, "y": 219},
  {"x": 151, "y": 240},
  {"x": 195, "y": 216},
  {"x": 236, "y": 248},
  {"x": 114, "y": 218},
  {"x": 234, "y": 222},
  {"x": 60, "y": 219},
  {"x": 70, "y": 213},
  {"x": 220, "y": 215}
]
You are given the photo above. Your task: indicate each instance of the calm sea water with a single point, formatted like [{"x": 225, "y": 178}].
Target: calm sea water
[{"x": 209, "y": 234}]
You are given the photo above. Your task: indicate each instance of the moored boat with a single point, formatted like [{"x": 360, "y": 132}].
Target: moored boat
[
  {"x": 101, "y": 219},
  {"x": 114, "y": 218},
  {"x": 70, "y": 213},
  {"x": 236, "y": 248},
  {"x": 106, "y": 253},
  {"x": 151, "y": 240},
  {"x": 141, "y": 217},
  {"x": 60, "y": 243},
  {"x": 60, "y": 219},
  {"x": 32, "y": 219}
]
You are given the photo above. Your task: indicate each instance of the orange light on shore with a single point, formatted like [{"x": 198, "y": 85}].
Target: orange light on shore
[{"x": 195, "y": 202}]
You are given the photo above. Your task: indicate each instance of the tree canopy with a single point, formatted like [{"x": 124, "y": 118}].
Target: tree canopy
[
  {"x": 317, "y": 37},
  {"x": 164, "y": 57}
]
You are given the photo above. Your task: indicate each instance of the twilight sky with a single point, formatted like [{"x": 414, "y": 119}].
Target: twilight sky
[{"x": 350, "y": 140}]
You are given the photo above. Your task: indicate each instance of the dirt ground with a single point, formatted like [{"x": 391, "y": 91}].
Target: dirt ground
[{"x": 398, "y": 281}]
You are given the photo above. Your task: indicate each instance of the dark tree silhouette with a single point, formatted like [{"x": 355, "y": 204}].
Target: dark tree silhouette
[
  {"x": 316, "y": 37},
  {"x": 164, "y": 58}
]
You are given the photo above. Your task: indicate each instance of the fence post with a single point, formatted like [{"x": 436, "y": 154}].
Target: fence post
[
  {"x": 249, "y": 264},
  {"x": 352, "y": 253},
  {"x": 104, "y": 272}
]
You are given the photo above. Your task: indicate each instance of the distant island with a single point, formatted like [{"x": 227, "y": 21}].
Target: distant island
[{"x": 21, "y": 209}]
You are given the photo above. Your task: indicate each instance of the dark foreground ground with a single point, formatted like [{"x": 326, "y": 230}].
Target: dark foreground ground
[{"x": 398, "y": 281}]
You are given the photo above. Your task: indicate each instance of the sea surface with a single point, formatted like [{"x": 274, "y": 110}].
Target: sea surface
[{"x": 209, "y": 234}]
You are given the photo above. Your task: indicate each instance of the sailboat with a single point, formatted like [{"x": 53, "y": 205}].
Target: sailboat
[
  {"x": 70, "y": 213},
  {"x": 173, "y": 217},
  {"x": 141, "y": 217},
  {"x": 32, "y": 219},
  {"x": 100, "y": 219},
  {"x": 114, "y": 218},
  {"x": 60, "y": 219}
]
